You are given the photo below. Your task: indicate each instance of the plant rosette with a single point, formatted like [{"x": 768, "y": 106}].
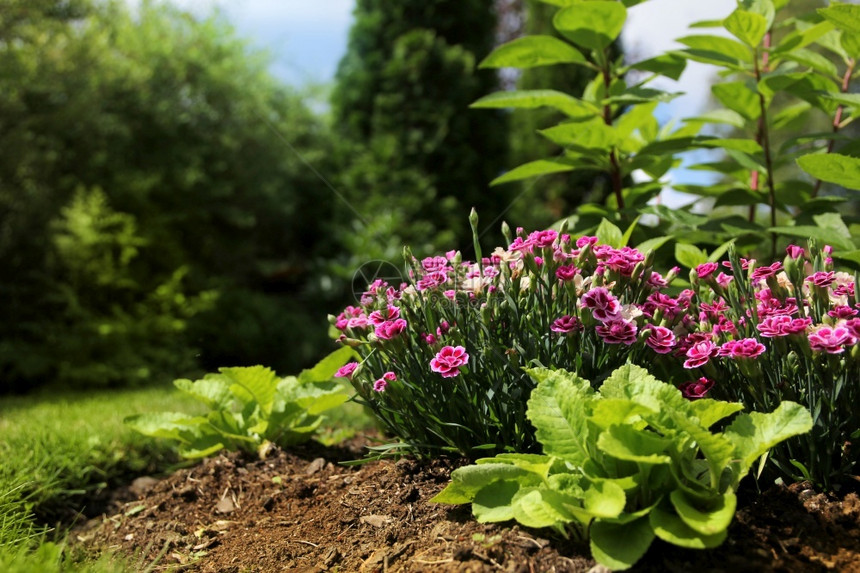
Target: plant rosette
[
  {"x": 442, "y": 356},
  {"x": 626, "y": 464}
]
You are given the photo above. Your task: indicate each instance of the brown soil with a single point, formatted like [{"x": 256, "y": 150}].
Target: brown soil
[{"x": 302, "y": 511}]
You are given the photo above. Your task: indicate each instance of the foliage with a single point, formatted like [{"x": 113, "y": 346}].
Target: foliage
[
  {"x": 546, "y": 300},
  {"x": 796, "y": 325},
  {"x": 624, "y": 465},
  {"x": 201, "y": 159},
  {"x": 249, "y": 408},
  {"x": 773, "y": 82},
  {"x": 409, "y": 150}
]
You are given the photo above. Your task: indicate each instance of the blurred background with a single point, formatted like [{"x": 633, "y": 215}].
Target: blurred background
[{"x": 193, "y": 184}]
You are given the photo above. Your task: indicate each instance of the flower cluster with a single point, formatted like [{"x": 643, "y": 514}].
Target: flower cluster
[{"x": 454, "y": 340}]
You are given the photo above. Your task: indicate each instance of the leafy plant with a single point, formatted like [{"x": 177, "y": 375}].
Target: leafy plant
[
  {"x": 629, "y": 463},
  {"x": 776, "y": 80},
  {"x": 250, "y": 408}
]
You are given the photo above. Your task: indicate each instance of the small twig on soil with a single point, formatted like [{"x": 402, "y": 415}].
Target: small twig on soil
[
  {"x": 531, "y": 540},
  {"x": 306, "y": 542},
  {"x": 439, "y": 562}
]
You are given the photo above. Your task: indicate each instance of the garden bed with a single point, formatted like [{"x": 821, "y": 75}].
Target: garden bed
[{"x": 303, "y": 511}]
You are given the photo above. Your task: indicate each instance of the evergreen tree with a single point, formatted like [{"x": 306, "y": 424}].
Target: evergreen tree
[{"x": 417, "y": 157}]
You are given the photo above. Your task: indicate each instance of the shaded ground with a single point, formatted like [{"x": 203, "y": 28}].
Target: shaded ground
[{"x": 302, "y": 511}]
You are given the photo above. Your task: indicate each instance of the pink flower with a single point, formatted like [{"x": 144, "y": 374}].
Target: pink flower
[
  {"x": 696, "y": 389},
  {"x": 842, "y": 312},
  {"x": 659, "y": 301},
  {"x": 706, "y": 269},
  {"x": 623, "y": 260},
  {"x": 583, "y": 241},
  {"x": 346, "y": 371},
  {"x": 542, "y": 239},
  {"x": 831, "y": 340},
  {"x": 660, "y": 339},
  {"x": 744, "y": 348},
  {"x": 377, "y": 317},
  {"x": 432, "y": 280},
  {"x": 822, "y": 279},
  {"x": 656, "y": 281},
  {"x": 794, "y": 251},
  {"x": 603, "y": 305},
  {"x": 782, "y": 325},
  {"x": 448, "y": 361},
  {"x": 566, "y": 273},
  {"x": 539, "y": 261},
  {"x": 391, "y": 329},
  {"x": 724, "y": 280},
  {"x": 381, "y": 384},
  {"x": 618, "y": 331},
  {"x": 526, "y": 246},
  {"x": 766, "y": 271},
  {"x": 853, "y": 326},
  {"x": 699, "y": 354},
  {"x": 566, "y": 324},
  {"x": 431, "y": 264}
]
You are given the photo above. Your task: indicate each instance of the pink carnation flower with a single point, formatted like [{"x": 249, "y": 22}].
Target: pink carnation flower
[
  {"x": 696, "y": 389},
  {"x": 744, "y": 348},
  {"x": 660, "y": 339},
  {"x": 391, "y": 329},
  {"x": 831, "y": 340},
  {"x": 603, "y": 305},
  {"x": 448, "y": 361},
  {"x": 706, "y": 269},
  {"x": 822, "y": 279},
  {"x": 699, "y": 354},
  {"x": 583, "y": 241},
  {"x": 566, "y": 324},
  {"x": 794, "y": 251},
  {"x": 618, "y": 331},
  {"x": 566, "y": 273},
  {"x": 377, "y": 317},
  {"x": 782, "y": 325},
  {"x": 346, "y": 371},
  {"x": 381, "y": 384}
]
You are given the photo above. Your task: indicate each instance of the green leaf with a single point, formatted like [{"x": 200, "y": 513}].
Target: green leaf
[
  {"x": 652, "y": 244},
  {"x": 755, "y": 433},
  {"x": 591, "y": 24},
  {"x": 530, "y": 99},
  {"x": 254, "y": 384},
  {"x": 202, "y": 447},
  {"x": 467, "y": 481},
  {"x": 325, "y": 369},
  {"x": 640, "y": 446},
  {"x": 634, "y": 383},
  {"x": 747, "y": 27},
  {"x": 492, "y": 503},
  {"x": 531, "y": 52},
  {"x": 535, "y": 507},
  {"x": 844, "y": 16},
  {"x": 711, "y": 520},
  {"x": 710, "y": 411},
  {"x": 715, "y": 50},
  {"x": 558, "y": 410},
  {"x": 725, "y": 116},
  {"x": 742, "y": 145},
  {"x": 535, "y": 463},
  {"x": 532, "y": 169},
  {"x": 738, "y": 97},
  {"x": 604, "y": 499},
  {"x": 669, "y": 65},
  {"x": 669, "y": 527},
  {"x": 823, "y": 236},
  {"x": 802, "y": 37},
  {"x": 609, "y": 234},
  {"x": 851, "y": 100},
  {"x": 641, "y": 95},
  {"x": 690, "y": 256},
  {"x": 167, "y": 425},
  {"x": 813, "y": 60},
  {"x": 619, "y": 546},
  {"x": 586, "y": 135},
  {"x": 213, "y": 390}
]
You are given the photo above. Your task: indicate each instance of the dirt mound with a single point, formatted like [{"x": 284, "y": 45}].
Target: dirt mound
[{"x": 302, "y": 511}]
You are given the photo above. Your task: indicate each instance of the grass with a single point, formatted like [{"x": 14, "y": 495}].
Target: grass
[{"x": 58, "y": 451}]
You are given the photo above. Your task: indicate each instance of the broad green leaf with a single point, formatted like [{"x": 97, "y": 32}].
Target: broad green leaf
[
  {"x": 467, "y": 481},
  {"x": 843, "y": 16},
  {"x": 609, "y": 234},
  {"x": 591, "y": 24},
  {"x": 611, "y": 411},
  {"x": 318, "y": 400},
  {"x": 738, "y": 97},
  {"x": 764, "y": 8},
  {"x": 213, "y": 390},
  {"x": 802, "y": 37},
  {"x": 619, "y": 546},
  {"x": 829, "y": 229},
  {"x": 558, "y": 410},
  {"x": 168, "y": 425},
  {"x": 635, "y": 118},
  {"x": 202, "y": 447},
  {"x": 812, "y": 60},
  {"x": 640, "y": 446},
  {"x": 604, "y": 499},
  {"x": 531, "y": 52},
  {"x": 641, "y": 95},
  {"x": 718, "y": 253},
  {"x": 652, "y": 244},
  {"x": 717, "y": 449},
  {"x": 255, "y": 384},
  {"x": 812, "y": 88},
  {"x": 725, "y": 116},
  {"x": 530, "y": 99},
  {"x": 755, "y": 433},
  {"x": 668, "y": 64},
  {"x": 747, "y": 27},
  {"x": 587, "y": 135},
  {"x": 325, "y": 369},
  {"x": 710, "y": 411},
  {"x": 851, "y": 100},
  {"x": 708, "y": 521},
  {"x": 532, "y": 169},
  {"x": 715, "y": 48},
  {"x": 742, "y": 145},
  {"x": 535, "y": 463},
  {"x": 850, "y": 43},
  {"x": 634, "y": 383},
  {"x": 690, "y": 256},
  {"x": 669, "y": 527},
  {"x": 789, "y": 113},
  {"x": 492, "y": 503},
  {"x": 534, "y": 507}
]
